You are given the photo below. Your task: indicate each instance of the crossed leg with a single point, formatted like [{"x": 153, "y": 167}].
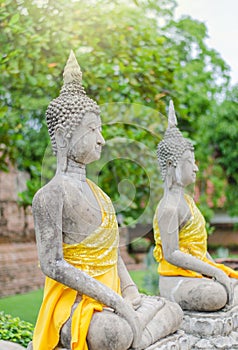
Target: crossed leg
[
  {"x": 109, "y": 331},
  {"x": 199, "y": 294}
]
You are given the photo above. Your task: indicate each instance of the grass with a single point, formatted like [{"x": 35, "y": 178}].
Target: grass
[
  {"x": 138, "y": 278},
  {"x": 26, "y": 306}
]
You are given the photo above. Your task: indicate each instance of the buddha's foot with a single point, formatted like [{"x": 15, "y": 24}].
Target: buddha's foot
[
  {"x": 176, "y": 341},
  {"x": 158, "y": 325}
]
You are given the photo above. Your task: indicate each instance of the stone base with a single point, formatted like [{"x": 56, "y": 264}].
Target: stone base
[
  {"x": 176, "y": 341},
  {"x": 212, "y": 330}
]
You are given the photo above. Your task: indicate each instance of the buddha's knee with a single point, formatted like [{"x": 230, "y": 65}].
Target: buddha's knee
[
  {"x": 108, "y": 331},
  {"x": 30, "y": 346},
  {"x": 173, "y": 315},
  {"x": 206, "y": 296},
  {"x": 235, "y": 300},
  {"x": 65, "y": 334},
  {"x": 216, "y": 297}
]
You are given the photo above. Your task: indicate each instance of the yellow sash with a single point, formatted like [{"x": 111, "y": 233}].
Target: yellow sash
[
  {"x": 192, "y": 240},
  {"x": 97, "y": 256}
]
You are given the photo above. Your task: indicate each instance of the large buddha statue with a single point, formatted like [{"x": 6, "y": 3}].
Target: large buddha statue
[
  {"x": 90, "y": 301},
  {"x": 187, "y": 273}
]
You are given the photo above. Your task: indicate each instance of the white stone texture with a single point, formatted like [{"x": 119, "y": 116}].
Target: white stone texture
[
  {"x": 176, "y": 341},
  {"x": 6, "y": 345},
  {"x": 212, "y": 330}
]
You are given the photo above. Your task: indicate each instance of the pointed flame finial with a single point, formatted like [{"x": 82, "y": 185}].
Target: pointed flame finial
[
  {"x": 72, "y": 72},
  {"x": 172, "y": 119}
]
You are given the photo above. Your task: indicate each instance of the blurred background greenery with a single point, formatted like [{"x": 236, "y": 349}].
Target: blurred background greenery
[
  {"x": 135, "y": 56},
  {"x": 129, "y": 52}
]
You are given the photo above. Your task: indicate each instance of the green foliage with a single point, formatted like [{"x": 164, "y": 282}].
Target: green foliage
[
  {"x": 201, "y": 75},
  {"x": 222, "y": 252},
  {"x": 131, "y": 52},
  {"x": 15, "y": 330},
  {"x": 124, "y": 60},
  {"x": 151, "y": 278},
  {"x": 140, "y": 244},
  {"x": 138, "y": 278},
  {"x": 219, "y": 150},
  {"x": 225, "y": 142}
]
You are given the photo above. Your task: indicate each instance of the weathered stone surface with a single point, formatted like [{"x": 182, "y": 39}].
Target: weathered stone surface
[
  {"x": 208, "y": 324},
  {"x": 176, "y": 341},
  {"x": 72, "y": 209},
  {"x": 211, "y": 330},
  {"x": 204, "y": 344},
  {"x": 6, "y": 345}
]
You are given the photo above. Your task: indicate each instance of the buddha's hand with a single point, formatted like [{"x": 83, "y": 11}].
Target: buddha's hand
[
  {"x": 126, "y": 311},
  {"x": 226, "y": 281},
  {"x": 132, "y": 296}
]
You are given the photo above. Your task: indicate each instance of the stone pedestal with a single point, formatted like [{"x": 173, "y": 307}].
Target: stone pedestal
[
  {"x": 212, "y": 330},
  {"x": 176, "y": 341}
]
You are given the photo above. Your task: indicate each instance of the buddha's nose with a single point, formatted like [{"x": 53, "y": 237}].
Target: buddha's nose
[
  {"x": 195, "y": 168},
  {"x": 100, "y": 140}
]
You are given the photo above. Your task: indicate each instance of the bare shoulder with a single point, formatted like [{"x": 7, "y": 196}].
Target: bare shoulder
[
  {"x": 49, "y": 195},
  {"x": 167, "y": 208}
]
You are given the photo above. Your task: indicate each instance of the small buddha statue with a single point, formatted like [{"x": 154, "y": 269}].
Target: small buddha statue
[
  {"x": 187, "y": 273},
  {"x": 90, "y": 301}
]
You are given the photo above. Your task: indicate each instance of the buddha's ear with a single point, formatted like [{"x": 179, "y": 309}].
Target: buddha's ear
[
  {"x": 170, "y": 173},
  {"x": 60, "y": 137},
  {"x": 169, "y": 163},
  {"x": 169, "y": 166}
]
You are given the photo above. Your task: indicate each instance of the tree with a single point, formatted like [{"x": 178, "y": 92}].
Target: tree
[
  {"x": 220, "y": 140},
  {"x": 201, "y": 77},
  {"x": 127, "y": 58}
]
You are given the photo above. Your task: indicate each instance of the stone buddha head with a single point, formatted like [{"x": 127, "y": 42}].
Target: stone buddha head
[
  {"x": 176, "y": 155},
  {"x": 73, "y": 121}
]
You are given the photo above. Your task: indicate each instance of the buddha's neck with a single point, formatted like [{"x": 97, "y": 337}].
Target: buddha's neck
[
  {"x": 76, "y": 169},
  {"x": 175, "y": 189}
]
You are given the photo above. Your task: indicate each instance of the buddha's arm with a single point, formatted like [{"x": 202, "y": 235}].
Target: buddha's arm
[
  {"x": 128, "y": 288},
  {"x": 209, "y": 257},
  {"x": 169, "y": 231},
  {"x": 47, "y": 211}
]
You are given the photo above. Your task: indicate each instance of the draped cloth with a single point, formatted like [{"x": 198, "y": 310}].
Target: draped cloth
[
  {"x": 97, "y": 256},
  {"x": 192, "y": 240}
]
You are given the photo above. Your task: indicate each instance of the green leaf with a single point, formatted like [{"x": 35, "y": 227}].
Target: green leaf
[{"x": 14, "y": 19}]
